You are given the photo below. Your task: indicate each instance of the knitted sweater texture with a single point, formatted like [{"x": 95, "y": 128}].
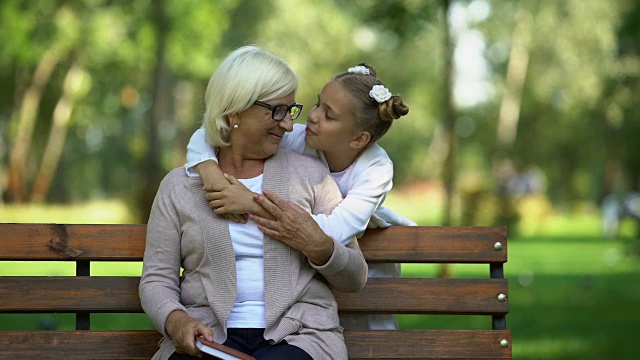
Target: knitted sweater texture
[{"x": 183, "y": 232}]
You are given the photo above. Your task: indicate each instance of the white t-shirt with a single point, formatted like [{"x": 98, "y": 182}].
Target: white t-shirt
[{"x": 248, "y": 246}]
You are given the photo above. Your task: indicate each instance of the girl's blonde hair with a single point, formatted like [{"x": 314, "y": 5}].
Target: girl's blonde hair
[{"x": 247, "y": 74}]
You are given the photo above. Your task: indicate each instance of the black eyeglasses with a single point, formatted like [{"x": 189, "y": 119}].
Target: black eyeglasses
[{"x": 278, "y": 112}]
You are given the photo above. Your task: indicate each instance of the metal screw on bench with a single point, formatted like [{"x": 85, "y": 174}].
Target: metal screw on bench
[
  {"x": 497, "y": 246},
  {"x": 504, "y": 343},
  {"x": 502, "y": 297}
]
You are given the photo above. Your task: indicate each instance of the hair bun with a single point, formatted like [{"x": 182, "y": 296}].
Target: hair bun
[{"x": 393, "y": 109}]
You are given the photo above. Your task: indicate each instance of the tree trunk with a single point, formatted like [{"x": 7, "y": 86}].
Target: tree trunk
[
  {"x": 185, "y": 104},
  {"x": 57, "y": 134},
  {"x": 509, "y": 116},
  {"x": 449, "y": 170},
  {"x": 514, "y": 82},
  {"x": 154, "y": 172},
  {"x": 17, "y": 183}
]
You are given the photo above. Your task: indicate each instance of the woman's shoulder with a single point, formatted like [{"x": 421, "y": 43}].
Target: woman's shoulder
[
  {"x": 176, "y": 174},
  {"x": 177, "y": 178}
]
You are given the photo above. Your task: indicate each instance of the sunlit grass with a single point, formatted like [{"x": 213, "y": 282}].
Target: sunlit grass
[
  {"x": 553, "y": 348},
  {"x": 40, "y": 268},
  {"x": 424, "y": 207},
  {"x": 97, "y": 212}
]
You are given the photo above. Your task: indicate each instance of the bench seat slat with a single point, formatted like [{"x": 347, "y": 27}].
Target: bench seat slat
[
  {"x": 427, "y": 296},
  {"x": 69, "y": 294},
  {"x": 77, "y": 345},
  {"x": 405, "y": 344},
  {"x": 428, "y": 344},
  {"x": 429, "y": 244},
  {"x": 120, "y": 294}
]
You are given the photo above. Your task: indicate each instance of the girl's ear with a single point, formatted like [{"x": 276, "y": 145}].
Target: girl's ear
[{"x": 360, "y": 140}]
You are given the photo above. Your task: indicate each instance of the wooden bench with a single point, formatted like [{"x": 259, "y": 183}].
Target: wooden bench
[{"x": 84, "y": 294}]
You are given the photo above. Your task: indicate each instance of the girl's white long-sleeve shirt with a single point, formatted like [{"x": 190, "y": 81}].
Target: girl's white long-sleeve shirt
[{"x": 363, "y": 185}]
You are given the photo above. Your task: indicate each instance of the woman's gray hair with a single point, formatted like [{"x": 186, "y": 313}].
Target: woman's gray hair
[{"x": 247, "y": 74}]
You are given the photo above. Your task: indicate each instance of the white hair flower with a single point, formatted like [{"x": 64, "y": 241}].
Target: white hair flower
[
  {"x": 359, "y": 70},
  {"x": 380, "y": 93}
]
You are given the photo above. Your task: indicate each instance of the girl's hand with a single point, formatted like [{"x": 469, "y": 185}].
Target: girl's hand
[
  {"x": 294, "y": 227},
  {"x": 184, "y": 330},
  {"x": 233, "y": 198},
  {"x": 210, "y": 174}
]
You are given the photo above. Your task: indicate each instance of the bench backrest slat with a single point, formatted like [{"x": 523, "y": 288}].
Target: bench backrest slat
[
  {"x": 432, "y": 244},
  {"x": 435, "y": 244},
  {"x": 55, "y": 242},
  {"x": 40, "y": 294}
]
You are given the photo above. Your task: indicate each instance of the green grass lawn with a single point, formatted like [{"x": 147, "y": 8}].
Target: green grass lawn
[{"x": 572, "y": 294}]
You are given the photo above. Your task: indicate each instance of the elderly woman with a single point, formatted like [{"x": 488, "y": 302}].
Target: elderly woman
[{"x": 239, "y": 287}]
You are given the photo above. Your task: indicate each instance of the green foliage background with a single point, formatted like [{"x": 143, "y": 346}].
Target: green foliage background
[{"x": 577, "y": 115}]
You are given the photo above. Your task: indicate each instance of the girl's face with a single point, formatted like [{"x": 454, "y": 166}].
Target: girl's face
[{"x": 331, "y": 122}]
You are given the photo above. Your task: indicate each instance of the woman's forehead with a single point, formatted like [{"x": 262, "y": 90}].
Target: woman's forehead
[{"x": 287, "y": 99}]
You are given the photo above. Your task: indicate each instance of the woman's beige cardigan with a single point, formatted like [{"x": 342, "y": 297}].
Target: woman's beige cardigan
[{"x": 300, "y": 307}]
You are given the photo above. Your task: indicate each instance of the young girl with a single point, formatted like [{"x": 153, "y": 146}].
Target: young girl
[{"x": 354, "y": 110}]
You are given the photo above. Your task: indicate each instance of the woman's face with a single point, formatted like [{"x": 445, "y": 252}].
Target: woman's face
[
  {"x": 260, "y": 135},
  {"x": 331, "y": 122}
]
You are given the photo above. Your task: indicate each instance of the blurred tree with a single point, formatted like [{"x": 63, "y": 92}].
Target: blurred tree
[
  {"x": 549, "y": 83},
  {"x": 509, "y": 115},
  {"x": 562, "y": 83},
  {"x": 160, "y": 93},
  {"x": 58, "y": 133},
  {"x": 449, "y": 122},
  {"x": 108, "y": 46},
  {"x": 24, "y": 118},
  {"x": 621, "y": 111}
]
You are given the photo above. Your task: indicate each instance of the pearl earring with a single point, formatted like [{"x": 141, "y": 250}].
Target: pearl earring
[{"x": 235, "y": 126}]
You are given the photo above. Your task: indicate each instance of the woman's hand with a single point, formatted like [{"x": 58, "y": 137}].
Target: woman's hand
[
  {"x": 183, "y": 330},
  {"x": 294, "y": 227}
]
